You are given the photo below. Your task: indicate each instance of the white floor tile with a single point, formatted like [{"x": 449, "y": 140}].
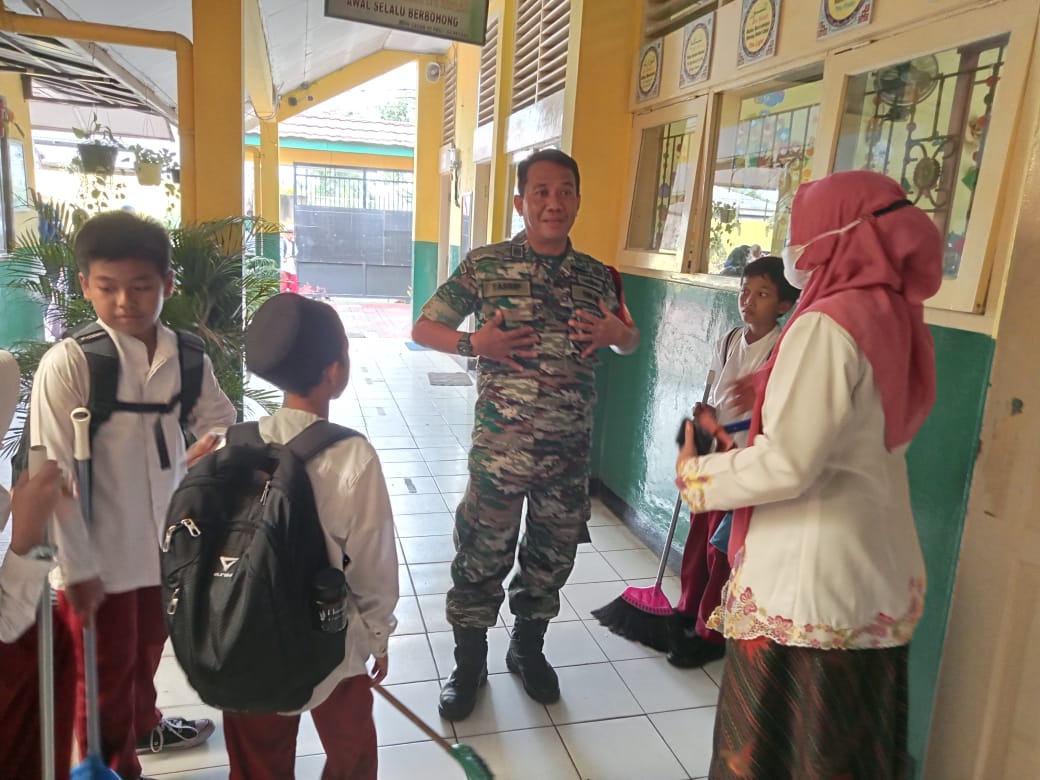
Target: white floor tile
[
  {"x": 410, "y": 660},
  {"x": 633, "y": 564},
  {"x": 458, "y": 452},
  {"x": 404, "y": 581},
  {"x": 714, "y": 670},
  {"x": 429, "y": 549},
  {"x": 570, "y": 644},
  {"x": 405, "y": 469},
  {"x": 448, "y": 468},
  {"x": 658, "y": 686},
  {"x": 601, "y": 515},
  {"x": 592, "y": 692},
  {"x": 689, "y": 734},
  {"x": 405, "y": 486},
  {"x": 525, "y": 755},
  {"x": 420, "y": 760},
  {"x": 172, "y": 686},
  {"x": 398, "y": 456},
  {"x": 393, "y": 728},
  {"x": 502, "y": 705},
  {"x": 621, "y": 750},
  {"x": 614, "y": 537},
  {"x": 431, "y": 577},
  {"x": 433, "y": 524},
  {"x": 409, "y": 618},
  {"x": 453, "y": 499},
  {"x": 398, "y": 442},
  {"x": 418, "y": 505},
  {"x": 592, "y": 567},
  {"x": 455, "y": 483},
  {"x": 432, "y": 607}
]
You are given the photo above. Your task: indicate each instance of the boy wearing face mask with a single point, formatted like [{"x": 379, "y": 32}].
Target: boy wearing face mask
[{"x": 765, "y": 296}]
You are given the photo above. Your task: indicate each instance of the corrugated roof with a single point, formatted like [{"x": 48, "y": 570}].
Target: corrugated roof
[{"x": 348, "y": 130}]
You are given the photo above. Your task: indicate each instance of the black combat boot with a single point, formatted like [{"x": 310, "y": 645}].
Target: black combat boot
[
  {"x": 525, "y": 658},
  {"x": 687, "y": 650},
  {"x": 459, "y": 694}
]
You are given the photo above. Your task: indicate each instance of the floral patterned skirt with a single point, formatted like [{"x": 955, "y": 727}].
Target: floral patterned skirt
[{"x": 799, "y": 713}]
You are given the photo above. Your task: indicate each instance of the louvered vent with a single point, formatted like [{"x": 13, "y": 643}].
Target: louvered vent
[
  {"x": 488, "y": 72},
  {"x": 540, "y": 64},
  {"x": 451, "y": 93}
]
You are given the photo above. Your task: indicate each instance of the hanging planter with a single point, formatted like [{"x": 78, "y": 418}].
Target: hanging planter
[
  {"x": 98, "y": 158},
  {"x": 175, "y": 174},
  {"x": 149, "y": 174}
]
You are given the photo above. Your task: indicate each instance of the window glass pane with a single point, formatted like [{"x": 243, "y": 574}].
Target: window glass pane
[
  {"x": 662, "y": 187},
  {"x": 923, "y": 123},
  {"x": 765, "y": 148}
]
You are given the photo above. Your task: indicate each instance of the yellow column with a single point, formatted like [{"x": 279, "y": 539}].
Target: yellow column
[
  {"x": 426, "y": 214},
  {"x": 501, "y": 200},
  {"x": 597, "y": 125},
  {"x": 467, "y": 77},
  {"x": 217, "y": 34}
]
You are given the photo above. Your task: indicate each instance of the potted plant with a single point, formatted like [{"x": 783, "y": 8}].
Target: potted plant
[
  {"x": 220, "y": 283},
  {"x": 149, "y": 164},
  {"x": 175, "y": 172},
  {"x": 97, "y": 147}
]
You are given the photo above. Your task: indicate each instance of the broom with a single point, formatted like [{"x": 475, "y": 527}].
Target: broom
[
  {"x": 474, "y": 766},
  {"x": 645, "y": 615}
]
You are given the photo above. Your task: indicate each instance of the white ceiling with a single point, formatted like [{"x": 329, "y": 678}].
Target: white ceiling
[{"x": 303, "y": 44}]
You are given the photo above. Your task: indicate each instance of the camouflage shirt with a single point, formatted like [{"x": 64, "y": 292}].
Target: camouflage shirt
[{"x": 551, "y": 400}]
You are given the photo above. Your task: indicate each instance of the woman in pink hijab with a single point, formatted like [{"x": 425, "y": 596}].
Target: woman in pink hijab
[{"x": 828, "y": 581}]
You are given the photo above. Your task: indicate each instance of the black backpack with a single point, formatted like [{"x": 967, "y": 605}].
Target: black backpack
[
  {"x": 242, "y": 545},
  {"x": 103, "y": 367}
]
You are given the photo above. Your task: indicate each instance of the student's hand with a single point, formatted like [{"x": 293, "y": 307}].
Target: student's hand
[
  {"x": 744, "y": 394},
  {"x": 596, "y": 331},
  {"x": 32, "y": 503},
  {"x": 380, "y": 669},
  {"x": 688, "y": 450},
  {"x": 706, "y": 418},
  {"x": 504, "y": 346},
  {"x": 85, "y": 597},
  {"x": 211, "y": 442}
]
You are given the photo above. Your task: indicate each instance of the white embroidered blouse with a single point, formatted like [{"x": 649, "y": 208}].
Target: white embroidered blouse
[{"x": 831, "y": 559}]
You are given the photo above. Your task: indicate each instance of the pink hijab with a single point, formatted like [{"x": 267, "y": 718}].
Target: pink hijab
[{"x": 872, "y": 280}]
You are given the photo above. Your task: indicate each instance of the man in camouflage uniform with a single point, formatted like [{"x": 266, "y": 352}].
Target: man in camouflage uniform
[{"x": 543, "y": 309}]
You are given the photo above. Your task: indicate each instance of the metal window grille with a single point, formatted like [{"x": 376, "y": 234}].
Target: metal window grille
[
  {"x": 354, "y": 188},
  {"x": 488, "y": 73},
  {"x": 540, "y": 60},
  {"x": 661, "y": 17}
]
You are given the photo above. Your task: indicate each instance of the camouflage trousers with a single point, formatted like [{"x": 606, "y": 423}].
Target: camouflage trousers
[{"x": 487, "y": 533}]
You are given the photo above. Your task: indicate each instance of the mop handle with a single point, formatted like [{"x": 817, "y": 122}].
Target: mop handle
[
  {"x": 678, "y": 499},
  {"x": 45, "y": 621},
  {"x": 81, "y": 452},
  {"x": 415, "y": 719}
]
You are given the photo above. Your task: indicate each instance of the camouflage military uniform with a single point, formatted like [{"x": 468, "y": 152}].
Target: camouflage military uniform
[{"x": 531, "y": 432}]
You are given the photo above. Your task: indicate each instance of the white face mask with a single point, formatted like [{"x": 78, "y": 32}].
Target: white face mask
[{"x": 793, "y": 252}]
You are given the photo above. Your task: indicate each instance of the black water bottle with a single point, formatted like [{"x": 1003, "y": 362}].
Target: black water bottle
[{"x": 329, "y": 589}]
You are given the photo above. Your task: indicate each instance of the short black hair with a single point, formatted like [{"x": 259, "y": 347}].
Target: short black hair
[
  {"x": 773, "y": 269},
  {"x": 547, "y": 155},
  {"x": 292, "y": 340},
  {"x": 121, "y": 235}
]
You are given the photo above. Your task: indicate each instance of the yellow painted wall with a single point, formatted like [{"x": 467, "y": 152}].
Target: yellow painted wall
[
  {"x": 348, "y": 159},
  {"x": 467, "y": 77},
  {"x": 20, "y": 129}
]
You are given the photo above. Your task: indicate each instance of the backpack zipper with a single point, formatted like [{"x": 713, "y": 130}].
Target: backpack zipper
[{"x": 193, "y": 530}]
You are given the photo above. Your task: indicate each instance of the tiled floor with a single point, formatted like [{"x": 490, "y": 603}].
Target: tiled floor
[{"x": 625, "y": 713}]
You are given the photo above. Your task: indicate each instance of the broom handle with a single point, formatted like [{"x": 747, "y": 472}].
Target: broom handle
[
  {"x": 415, "y": 719},
  {"x": 678, "y": 499}
]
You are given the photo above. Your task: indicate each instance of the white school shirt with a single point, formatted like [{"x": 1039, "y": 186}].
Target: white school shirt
[
  {"x": 131, "y": 489},
  {"x": 357, "y": 520},
  {"x": 21, "y": 579},
  {"x": 831, "y": 558},
  {"x": 743, "y": 359}
]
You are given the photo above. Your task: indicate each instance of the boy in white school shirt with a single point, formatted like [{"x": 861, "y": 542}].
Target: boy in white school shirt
[
  {"x": 22, "y": 577},
  {"x": 138, "y": 459},
  {"x": 300, "y": 346},
  {"x": 765, "y": 296}
]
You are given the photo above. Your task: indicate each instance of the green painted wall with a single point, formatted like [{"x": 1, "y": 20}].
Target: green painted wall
[
  {"x": 21, "y": 318},
  {"x": 424, "y": 274},
  {"x": 643, "y": 397},
  {"x": 454, "y": 257}
]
